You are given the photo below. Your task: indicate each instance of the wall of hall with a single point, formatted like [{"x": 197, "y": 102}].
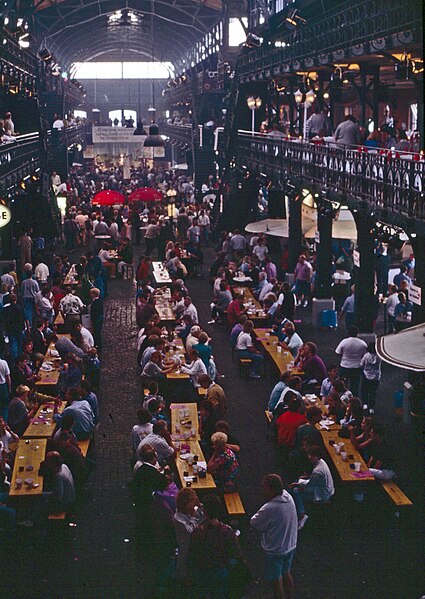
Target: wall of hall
[{"x": 120, "y": 94}]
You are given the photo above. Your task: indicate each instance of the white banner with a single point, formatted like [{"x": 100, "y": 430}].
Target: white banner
[
  {"x": 116, "y": 135},
  {"x": 415, "y": 295}
]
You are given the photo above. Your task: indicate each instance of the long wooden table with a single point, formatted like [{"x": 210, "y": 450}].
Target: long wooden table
[
  {"x": 353, "y": 455},
  {"x": 51, "y": 377},
  {"x": 178, "y": 414},
  {"x": 42, "y": 424},
  {"x": 30, "y": 452},
  {"x": 163, "y": 304},
  {"x": 178, "y": 352},
  {"x": 161, "y": 274},
  {"x": 71, "y": 277},
  {"x": 182, "y": 467},
  {"x": 281, "y": 356},
  {"x": 255, "y": 311}
]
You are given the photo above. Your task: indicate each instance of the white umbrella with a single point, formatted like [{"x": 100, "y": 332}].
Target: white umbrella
[
  {"x": 405, "y": 349},
  {"x": 263, "y": 226}
]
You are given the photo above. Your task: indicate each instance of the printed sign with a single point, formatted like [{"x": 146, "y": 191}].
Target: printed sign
[
  {"x": 116, "y": 135},
  {"x": 356, "y": 258},
  {"x": 415, "y": 294},
  {"x": 5, "y": 215}
]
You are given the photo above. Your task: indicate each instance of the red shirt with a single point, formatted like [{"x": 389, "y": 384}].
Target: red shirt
[
  {"x": 287, "y": 425},
  {"x": 233, "y": 312}
]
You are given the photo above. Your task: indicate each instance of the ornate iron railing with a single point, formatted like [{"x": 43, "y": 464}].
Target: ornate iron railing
[
  {"x": 352, "y": 29},
  {"x": 62, "y": 138},
  {"x": 15, "y": 60},
  {"x": 18, "y": 159},
  {"x": 390, "y": 182},
  {"x": 179, "y": 133}
]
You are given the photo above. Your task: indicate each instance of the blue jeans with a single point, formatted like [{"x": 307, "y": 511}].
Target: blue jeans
[
  {"x": 15, "y": 345},
  {"x": 29, "y": 308},
  {"x": 4, "y": 401},
  {"x": 257, "y": 359},
  {"x": 300, "y": 497}
]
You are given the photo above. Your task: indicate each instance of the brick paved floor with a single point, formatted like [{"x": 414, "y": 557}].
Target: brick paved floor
[{"x": 363, "y": 551}]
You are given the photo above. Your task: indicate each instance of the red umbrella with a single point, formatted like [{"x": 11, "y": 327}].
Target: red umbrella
[
  {"x": 145, "y": 194},
  {"x": 108, "y": 197}
]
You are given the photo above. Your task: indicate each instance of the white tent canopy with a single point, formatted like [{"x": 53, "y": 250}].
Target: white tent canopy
[
  {"x": 405, "y": 349},
  {"x": 262, "y": 226}
]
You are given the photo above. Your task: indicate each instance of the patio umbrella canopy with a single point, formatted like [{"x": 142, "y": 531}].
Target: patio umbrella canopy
[
  {"x": 108, "y": 197},
  {"x": 405, "y": 349},
  {"x": 145, "y": 194}
]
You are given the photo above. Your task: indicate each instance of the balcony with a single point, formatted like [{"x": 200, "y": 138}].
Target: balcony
[
  {"x": 391, "y": 184},
  {"x": 18, "y": 159},
  {"x": 181, "y": 133},
  {"x": 63, "y": 138},
  {"x": 351, "y": 30}
]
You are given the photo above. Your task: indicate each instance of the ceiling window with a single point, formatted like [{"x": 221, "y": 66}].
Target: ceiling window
[
  {"x": 122, "y": 70},
  {"x": 237, "y": 34}
]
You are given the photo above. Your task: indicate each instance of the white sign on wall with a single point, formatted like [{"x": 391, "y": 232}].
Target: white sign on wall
[
  {"x": 415, "y": 295},
  {"x": 116, "y": 135},
  {"x": 356, "y": 258},
  {"x": 5, "y": 215}
]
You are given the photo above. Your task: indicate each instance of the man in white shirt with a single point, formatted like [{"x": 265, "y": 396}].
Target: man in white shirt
[
  {"x": 277, "y": 522},
  {"x": 160, "y": 440},
  {"x": 390, "y": 305},
  {"x": 87, "y": 337},
  {"x": 351, "y": 349},
  {"x": 190, "y": 309},
  {"x": 58, "y": 123},
  {"x": 238, "y": 242},
  {"x": 55, "y": 179},
  {"x": 41, "y": 272},
  {"x": 292, "y": 339},
  {"x": 246, "y": 350},
  {"x": 195, "y": 369},
  {"x": 71, "y": 307}
]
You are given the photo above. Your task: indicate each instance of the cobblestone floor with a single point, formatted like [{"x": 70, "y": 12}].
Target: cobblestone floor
[{"x": 362, "y": 552}]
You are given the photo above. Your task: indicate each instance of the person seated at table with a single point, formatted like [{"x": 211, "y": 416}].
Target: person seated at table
[
  {"x": 38, "y": 337},
  {"x": 319, "y": 487},
  {"x": 287, "y": 302},
  {"x": 311, "y": 364},
  {"x": 193, "y": 337},
  {"x": 87, "y": 394},
  {"x": 291, "y": 338},
  {"x": 58, "y": 484},
  {"x": 81, "y": 412},
  {"x": 339, "y": 386},
  {"x": 107, "y": 259},
  {"x": 190, "y": 309},
  {"x": 82, "y": 268},
  {"x": 277, "y": 390},
  {"x": 21, "y": 374},
  {"x": 156, "y": 368},
  {"x": 67, "y": 445},
  {"x": 34, "y": 360},
  {"x": 327, "y": 383},
  {"x": 293, "y": 387},
  {"x": 44, "y": 304},
  {"x": 246, "y": 350},
  {"x": 287, "y": 425},
  {"x": 298, "y": 463},
  {"x": 157, "y": 408},
  {"x": 195, "y": 368},
  {"x": 237, "y": 328},
  {"x": 154, "y": 343},
  {"x": 127, "y": 256},
  {"x": 19, "y": 413},
  {"x": 314, "y": 416},
  {"x": 204, "y": 350},
  {"x": 221, "y": 303},
  {"x": 223, "y": 464},
  {"x": 160, "y": 440},
  {"x": 353, "y": 417},
  {"x": 221, "y": 426},
  {"x": 179, "y": 287},
  {"x": 336, "y": 407},
  {"x": 146, "y": 480},
  {"x": 145, "y": 309},
  {"x": 401, "y": 311},
  {"x": 82, "y": 337},
  {"x": 140, "y": 430},
  {"x": 235, "y": 310},
  {"x": 7, "y": 436},
  {"x": 189, "y": 515},
  {"x": 65, "y": 347},
  {"x": 72, "y": 374},
  {"x": 207, "y": 421},
  {"x": 368, "y": 442},
  {"x": 270, "y": 308},
  {"x": 183, "y": 329}
]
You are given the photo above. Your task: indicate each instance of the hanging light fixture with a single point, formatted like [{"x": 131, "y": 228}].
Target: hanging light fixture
[
  {"x": 310, "y": 97},
  {"x": 298, "y": 95}
]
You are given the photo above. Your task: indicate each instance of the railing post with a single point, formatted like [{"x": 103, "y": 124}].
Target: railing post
[
  {"x": 295, "y": 231},
  {"x": 324, "y": 256},
  {"x": 366, "y": 274}
]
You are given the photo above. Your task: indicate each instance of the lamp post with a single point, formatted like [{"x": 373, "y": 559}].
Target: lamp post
[
  {"x": 306, "y": 100},
  {"x": 254, "y": 103}
]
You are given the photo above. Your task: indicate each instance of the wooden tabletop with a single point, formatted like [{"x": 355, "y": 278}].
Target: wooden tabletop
[
  {"x": 59, "y": 320},
  {"x": 51, "y": 377},
  {"x": 71, "y": 276},
  {"x": 164, "y": 308},
  {"x": 255, "y": 310},
  {"x": 343, "y": 467},
  {"x": 184, "y": 412},
  {"x": 42, "y": 424},
  {"x": 282, "y": 358},
  {"x": 180, "y": 353},
  {"x": 30, "y": 452},
  {"x": 183, "y": 466}
]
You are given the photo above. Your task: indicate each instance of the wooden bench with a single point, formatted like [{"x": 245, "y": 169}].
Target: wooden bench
[
  {"x": 395, "y": 493},
  {"x": 269, "y": 417},
  {"x": 244, "y": 363},
  {"x": 234, "y": 504},
  {"x": 57, "y": 517},
  {"x": 84, "y": 446}
]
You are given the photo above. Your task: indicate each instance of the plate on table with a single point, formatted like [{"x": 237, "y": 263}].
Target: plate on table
[{"x": 46, "y": 367}]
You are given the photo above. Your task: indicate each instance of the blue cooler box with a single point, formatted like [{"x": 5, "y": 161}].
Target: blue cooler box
[{"x": 329, "y": 318}]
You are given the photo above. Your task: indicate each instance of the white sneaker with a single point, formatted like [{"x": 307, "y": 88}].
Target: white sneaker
[
  {"x": 371, "y": 411},
  {"x": 365, "y": 406},
  {"x": 301, "y": 523},
  {"x": 305, "y": 304},
  {"x": 252, "y": 375},
  {"x": 211, "y": 322}
]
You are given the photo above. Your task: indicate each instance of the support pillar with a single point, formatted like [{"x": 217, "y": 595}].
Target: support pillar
[
  {"x": 366, "y": 274},
  {"x": 418, "y": 245},
  {"x": 295, "y": 232},
  {"x": 324, "y": 256}
]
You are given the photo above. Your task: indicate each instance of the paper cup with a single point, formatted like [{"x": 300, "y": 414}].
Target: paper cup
[
  {"x": 357, "y": 466},
  {"x": 344, "y": 456}
]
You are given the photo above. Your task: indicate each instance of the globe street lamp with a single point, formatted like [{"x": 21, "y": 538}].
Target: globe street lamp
[{"x": 254, "y": 103}]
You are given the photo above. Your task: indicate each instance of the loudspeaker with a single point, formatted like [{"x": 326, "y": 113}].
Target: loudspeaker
[{"x": 277, "y": 204}]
